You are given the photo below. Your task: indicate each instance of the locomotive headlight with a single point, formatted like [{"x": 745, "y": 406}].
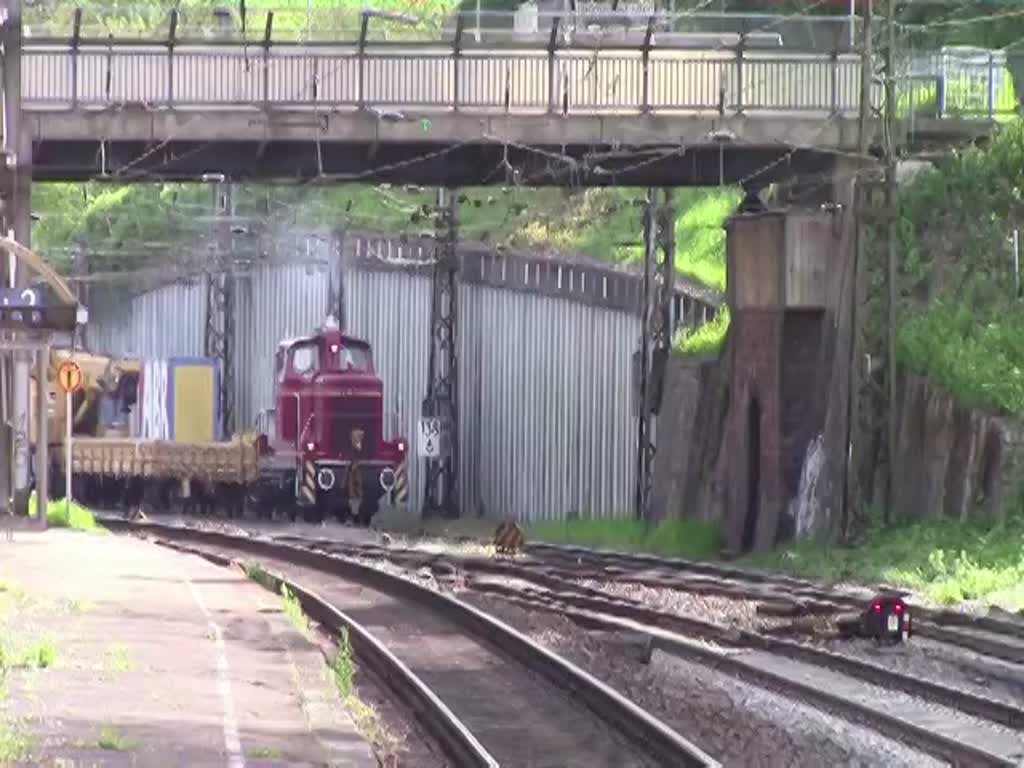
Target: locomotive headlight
[
  {"x": 387, "y": 479},
  {"x": 325, "y": 479}
]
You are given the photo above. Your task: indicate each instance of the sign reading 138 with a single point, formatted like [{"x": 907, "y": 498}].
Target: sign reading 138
[{"x": 429, "y": 443}]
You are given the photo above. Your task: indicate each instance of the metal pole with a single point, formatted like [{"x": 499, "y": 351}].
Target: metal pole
[
  {"x": 853, "y": 435},
  {"x": 19, "y": 143},
  {"x": 42, "y": 437},
  {"x": 890, "y": 207},
  {"x": 853, "y": 20},
  {"x": 67, "y": 450},
  {"x": 1016, "y": 263},
  {"x": 643, "y": 423}
]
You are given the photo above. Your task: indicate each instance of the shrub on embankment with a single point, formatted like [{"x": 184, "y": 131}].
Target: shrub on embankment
[
  {"x": 962, "y": 324},
  {"x": 961, "y": 327},
  {"x": 117, "y": 224}
]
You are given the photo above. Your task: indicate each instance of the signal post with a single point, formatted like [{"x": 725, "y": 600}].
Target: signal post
[{"x": 69, "y": 377}]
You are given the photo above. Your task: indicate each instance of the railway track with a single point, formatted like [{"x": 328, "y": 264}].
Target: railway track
[
  {"x": 999, "y": 638},
  {"x": 948, "y": 723},
  {"x": 996, "y": 638},
  {"x": 489, "y": 695}
]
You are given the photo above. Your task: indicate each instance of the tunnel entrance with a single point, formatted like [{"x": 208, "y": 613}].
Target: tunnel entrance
[{"x": 753, "y": 474}]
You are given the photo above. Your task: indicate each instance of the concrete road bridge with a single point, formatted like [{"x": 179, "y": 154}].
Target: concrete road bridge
[{"x": 637, "y": 107}]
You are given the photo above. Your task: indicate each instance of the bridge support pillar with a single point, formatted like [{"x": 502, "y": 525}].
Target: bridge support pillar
[{"x": 779, "y": 292}]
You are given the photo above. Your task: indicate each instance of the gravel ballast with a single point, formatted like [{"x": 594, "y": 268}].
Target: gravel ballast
[{"x": 739, "y": 724}]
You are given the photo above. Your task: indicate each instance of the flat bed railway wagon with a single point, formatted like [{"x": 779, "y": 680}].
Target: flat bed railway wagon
[{"x": 322, "y": 451}]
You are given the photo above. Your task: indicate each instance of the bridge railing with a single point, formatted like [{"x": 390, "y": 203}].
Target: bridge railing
[
  {"x": 634, "y": 69},
  {"x": 549, "y": 80}
]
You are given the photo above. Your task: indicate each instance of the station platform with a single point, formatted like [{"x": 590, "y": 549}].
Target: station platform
[{"x": 118, "y": 652}]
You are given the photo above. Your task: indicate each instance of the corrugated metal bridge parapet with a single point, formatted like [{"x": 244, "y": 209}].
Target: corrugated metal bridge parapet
[{"x": 579, "y": 279}]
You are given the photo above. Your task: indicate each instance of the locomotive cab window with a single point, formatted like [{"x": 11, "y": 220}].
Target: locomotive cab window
[
  {"x": 352, "y": 357},
  {"x": 305, "y": 359},
  {"x": 279, "y": 367}
]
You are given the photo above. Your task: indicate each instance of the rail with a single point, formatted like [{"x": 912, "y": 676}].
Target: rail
[
  {"x": 638, "y": 71},
  {"x": 634, "y": 723}
]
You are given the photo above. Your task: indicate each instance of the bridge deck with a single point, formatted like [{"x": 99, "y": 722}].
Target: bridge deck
[{"x": 351, "y": 110}]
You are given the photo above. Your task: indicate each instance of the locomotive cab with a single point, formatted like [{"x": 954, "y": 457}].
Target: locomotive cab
[{"x": 329, "y": 425}]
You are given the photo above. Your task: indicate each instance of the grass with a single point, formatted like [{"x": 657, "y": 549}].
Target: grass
[
  {"x": 117, "y": 659},
  {"x": 40, "y": 654},
  {"x": 293, "y": 608},
  {"x": 289, "y": 602},
  {"x": 264, "y": 753},
  {"x": 942, "y": 560},
  {"x": 704, "y": 340},
  {"x": 342, "y": 666},
  {"x": 368, "y": 723},
  {"x": 15, "y": 744},
  {"x": 675, "y": 537},
  {"x": 113, "y": 740},
  {"x": 62, "y": 514}
]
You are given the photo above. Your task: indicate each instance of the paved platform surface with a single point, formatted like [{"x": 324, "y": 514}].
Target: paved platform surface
[{"x": 117, "y": 652}]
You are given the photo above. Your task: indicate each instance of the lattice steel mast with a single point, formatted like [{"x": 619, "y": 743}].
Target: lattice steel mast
[
  {"x": 655, "y": 337},
  {"x": 441, "y": 489},
  {"x": 219, "y": 337}
]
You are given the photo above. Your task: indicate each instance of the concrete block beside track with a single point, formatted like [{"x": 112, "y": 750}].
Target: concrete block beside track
[{"x": 120, "y": 652}]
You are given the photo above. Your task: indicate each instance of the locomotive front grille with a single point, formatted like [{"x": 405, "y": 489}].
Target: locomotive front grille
[{"x": 348, "y": 420}]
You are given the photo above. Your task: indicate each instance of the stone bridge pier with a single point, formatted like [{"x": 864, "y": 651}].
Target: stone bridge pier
[{"x": 790, "y": 288}]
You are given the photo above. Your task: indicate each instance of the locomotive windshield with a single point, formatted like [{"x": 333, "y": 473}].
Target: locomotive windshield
[
  {"x": 353, "y": 358},
  {"x": 305, "y": 358}
]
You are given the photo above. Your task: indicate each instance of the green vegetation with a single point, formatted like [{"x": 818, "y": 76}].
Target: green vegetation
[
  {"x": 942, "y": 560},
  {"x": 112, "y": 740},
  {"x": 704, "y": 340},
  {"x": 15, "y": 744},
  {"x": 126, "y": 230},
  {"x": 343, "y": 666},
  {"x": 264, "y": 753},
  {"x": 62, "y": 514},
  {"x": 965, "y": 97},
  {"x": 979, "y": 363},
  {"x": 117, "y": 659},
  {"x": 328, "y": 18},
  {"x": 368, "y": 722},
  {"x": 289, "y": 601},
  {"x": 674, "y": 537},
  {"x": 40, "y": 654},
  {"x": 961, "y": 324},
  {"x": 293, "y": 608}
]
